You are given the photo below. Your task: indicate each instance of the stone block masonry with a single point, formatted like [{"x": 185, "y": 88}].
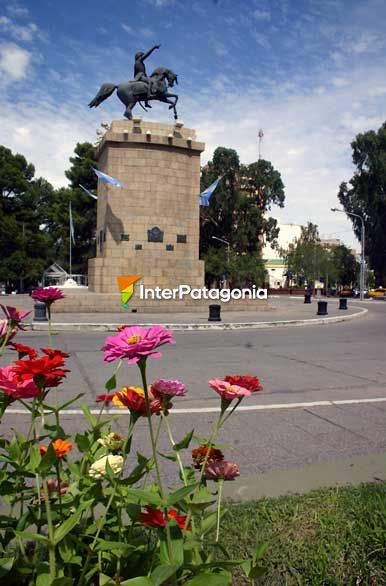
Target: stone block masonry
[{"x": 139, "y": 227}]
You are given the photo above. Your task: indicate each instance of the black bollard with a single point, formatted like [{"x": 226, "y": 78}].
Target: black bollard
[
  {"x": 40, "y": 311},
  {"x": 322, "y": 308},
  {"x": 214, "y": 313},
  {"x": 343, "y": 303},
  {"x": 307, "y": 298}
]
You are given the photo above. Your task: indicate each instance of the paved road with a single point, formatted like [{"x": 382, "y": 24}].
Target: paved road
[{"x": 341, "y": 362}]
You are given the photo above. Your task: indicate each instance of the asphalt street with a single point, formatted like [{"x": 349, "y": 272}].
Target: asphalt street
[{"x": 341, "y": 362}]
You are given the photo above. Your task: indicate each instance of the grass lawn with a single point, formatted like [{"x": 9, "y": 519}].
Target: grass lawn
[{"x": 330, "y": 537}]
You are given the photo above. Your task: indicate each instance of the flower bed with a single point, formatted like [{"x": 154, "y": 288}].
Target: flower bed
[{"x": 99, "y": 514}]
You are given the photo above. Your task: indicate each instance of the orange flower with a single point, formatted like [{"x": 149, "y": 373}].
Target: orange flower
[{"x": 61, "y": 447}]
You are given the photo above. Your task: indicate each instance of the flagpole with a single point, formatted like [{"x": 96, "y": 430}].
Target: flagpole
[{"x": 69, "y": 217}]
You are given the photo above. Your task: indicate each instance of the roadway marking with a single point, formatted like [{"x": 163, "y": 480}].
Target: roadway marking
[{"x": 269, "y": 407}]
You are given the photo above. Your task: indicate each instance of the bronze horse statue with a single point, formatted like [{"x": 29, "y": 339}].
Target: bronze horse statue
[{"x": 133, "y": 92}]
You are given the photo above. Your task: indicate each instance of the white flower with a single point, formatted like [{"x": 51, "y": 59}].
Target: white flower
[
  {"x": 98, "y": 469},
  {"x": 112, "y": 441}
]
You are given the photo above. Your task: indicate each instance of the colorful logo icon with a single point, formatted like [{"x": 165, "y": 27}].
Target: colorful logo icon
[{"x": 126, "y": 287}]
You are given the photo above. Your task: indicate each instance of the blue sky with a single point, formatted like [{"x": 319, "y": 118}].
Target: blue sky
[{"x": 310, "y": 73}]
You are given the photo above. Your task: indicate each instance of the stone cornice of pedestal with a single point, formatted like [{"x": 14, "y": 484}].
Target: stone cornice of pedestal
[{"x": 150, "y": 133}]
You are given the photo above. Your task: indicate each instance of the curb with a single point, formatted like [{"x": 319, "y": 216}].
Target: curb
[{"x": 111, "y": 327}]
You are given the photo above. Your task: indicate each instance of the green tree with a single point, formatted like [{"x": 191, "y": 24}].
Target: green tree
[
  {"x": 238, "y": 214},
  {"x": 365, "y": 194},
  {"x": 346, "y": 266},
  {"x": 83, "y": 212},
  {"x": 305, "y": 258},
  {"x": 24, "y": 244}
]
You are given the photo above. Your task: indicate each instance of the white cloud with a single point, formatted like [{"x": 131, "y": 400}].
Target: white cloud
[
  {"x": 262, "y": 15},
  {"x": 307, "y": 137},
  {"x": 20, "y": 33},
  {"x": 218, "y": 47},
  {"x": 14, "y": 61}
]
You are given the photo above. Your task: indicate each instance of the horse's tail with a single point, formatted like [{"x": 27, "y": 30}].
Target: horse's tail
[{"x": 105, "y": 92}]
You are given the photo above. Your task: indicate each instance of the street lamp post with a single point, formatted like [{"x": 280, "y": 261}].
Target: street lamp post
[
  {"x": 362, "y": 274},
  {"x": 227, "y": 245}
]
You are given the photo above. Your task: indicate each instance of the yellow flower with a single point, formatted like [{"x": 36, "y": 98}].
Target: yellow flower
[{"x": 98, "y": 469}]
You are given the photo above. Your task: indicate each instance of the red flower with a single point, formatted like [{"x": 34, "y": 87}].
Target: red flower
[
  {"x": 47, "y": 295},
  {"x": 156, "y": 518},
  {"x": 15, "y": 388},
  {"x": 105, "y": 398},
  {"x": 199, "y": 455},
  {"x": 134, "y": 399},
  {"x": 247, "y": 381},
  {"x": 45, "y": 371},
  {"x": 51, "y": 353},
  {"x": 24, "y": 350}
]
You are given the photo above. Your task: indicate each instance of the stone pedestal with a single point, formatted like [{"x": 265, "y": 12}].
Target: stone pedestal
[{"x": 149, "y": 228}]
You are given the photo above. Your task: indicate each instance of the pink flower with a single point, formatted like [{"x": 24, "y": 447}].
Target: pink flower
[
  {"x": 14, "y": 318},
  {"x": 169, "y": 388},
  {"x": 228, "y": 391},
  {"x": 221, "y": 470},
  {"x": 15, "y": 388},
  {"x": 47, "y": 295},
  {"x": 134, "y": 343}
]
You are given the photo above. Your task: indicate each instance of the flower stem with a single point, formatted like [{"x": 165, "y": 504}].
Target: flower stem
[
  {"x": 142, "y": 368},
  {"x": 48, "y": 305},
  {"x": 169, "y": 431},
  {"x": 51, "y": 544},
  {"x": 220, "y": 487}
]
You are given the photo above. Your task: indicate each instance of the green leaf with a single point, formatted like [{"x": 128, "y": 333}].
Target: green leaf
[
  {"x": 201, "y": 500},
  {"x": 66, "y": 549},
  {"x": 64, "y": 581},
  {"x": 47, "y": 460},
  {"x": 208, "y": 523},
  {"x": 111, "y": 383},
  {"x": 88, "y": 415},
  {"x": 260, "y": 551},
  {"x": 35, "y": 458},
  {"x": 30, "y": 535},
  {"x": 180, "y": 494},
  {"x": 140, "y": 581},
  {"x": 209, "y": 580},
  {"x": 172, "y": 457},
  {"x": 146, "y": 496},
  {"x": 43, "y": 574},
  {"x": 162, "y": 573},
  {"x": 106, "y": 580},
  {"x": 67, "y": 526},
  {"x": 71, "y": 401},
  {"x": 104, "y": 545},
  {"x": 82, "y": 442},
  {"x": 184, "y": 443},
  {"x": 176, "y": 556},
  {"x": 6, "y": 566}
]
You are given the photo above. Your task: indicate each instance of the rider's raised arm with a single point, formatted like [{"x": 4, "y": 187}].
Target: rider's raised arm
[{"x": 146, "y": 55}]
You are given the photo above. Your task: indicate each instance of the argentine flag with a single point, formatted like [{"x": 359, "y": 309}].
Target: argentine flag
[
  {"x": 107, "y": 179},
  {"x": 207, "y": 194},
  {"x": 88, "y": 192},
  {"x": 72, "y": 231}
]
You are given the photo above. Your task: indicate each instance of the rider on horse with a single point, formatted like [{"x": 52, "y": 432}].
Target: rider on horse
[{"x": 140, "y": 71}]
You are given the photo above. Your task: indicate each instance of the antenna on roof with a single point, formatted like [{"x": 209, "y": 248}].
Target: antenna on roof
[{"x": 260, "y": 135}]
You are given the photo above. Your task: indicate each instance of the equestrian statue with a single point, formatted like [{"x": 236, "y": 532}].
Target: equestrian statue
[{"x": 142, "y": 88}]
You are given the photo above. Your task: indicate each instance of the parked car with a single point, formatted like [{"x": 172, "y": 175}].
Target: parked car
[
  {"x": 357, "y": 292},
  {"x": 378, "y": 293}
]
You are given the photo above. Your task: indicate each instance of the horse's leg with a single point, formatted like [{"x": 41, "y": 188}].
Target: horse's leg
[
  {"x": 128, "y": 112},
  {"x": 172, "y": 104}
]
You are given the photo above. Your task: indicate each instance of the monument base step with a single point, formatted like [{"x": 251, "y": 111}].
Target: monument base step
[{"x": 88, "y": 302}]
